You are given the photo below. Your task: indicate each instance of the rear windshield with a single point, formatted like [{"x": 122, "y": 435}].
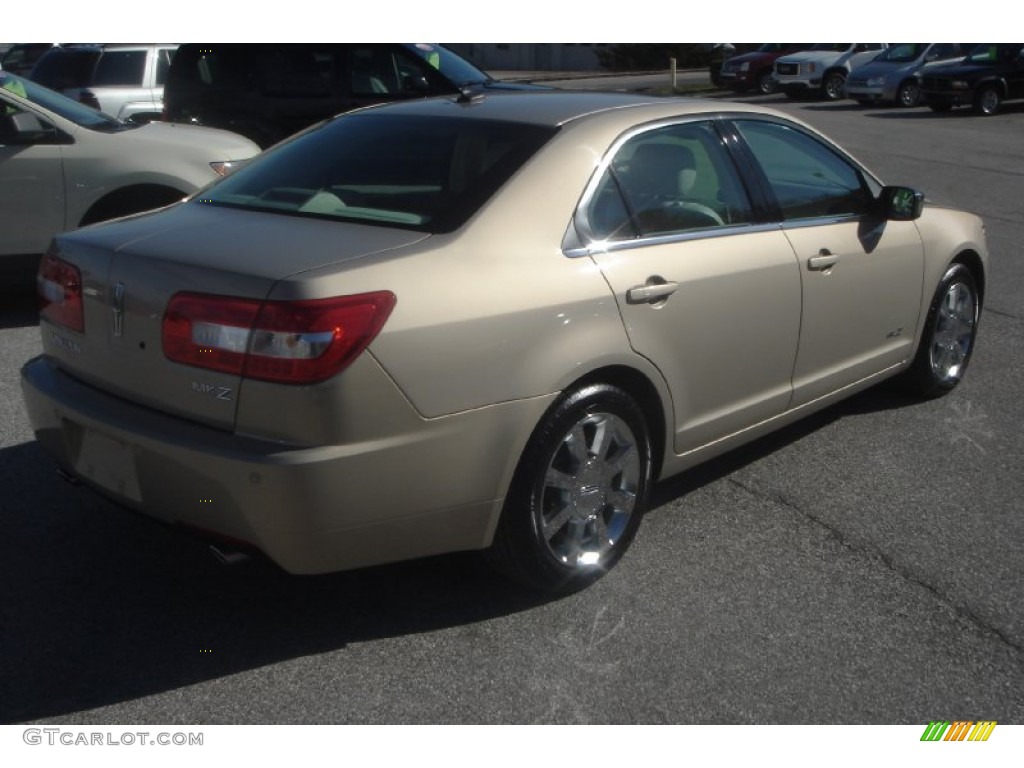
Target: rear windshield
[
  {"x": 423, "y": 173},
  {"x": 62, "y": 68}
]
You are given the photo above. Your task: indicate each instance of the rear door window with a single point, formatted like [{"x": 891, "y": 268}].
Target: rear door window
[{"x": 120, "y": 68}]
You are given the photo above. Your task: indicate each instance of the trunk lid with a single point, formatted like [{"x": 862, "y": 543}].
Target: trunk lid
[{"x": 131, "y": 268}]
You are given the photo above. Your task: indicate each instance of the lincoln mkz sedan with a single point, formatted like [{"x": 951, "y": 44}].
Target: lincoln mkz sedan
[{"x": 487, "y": 323}]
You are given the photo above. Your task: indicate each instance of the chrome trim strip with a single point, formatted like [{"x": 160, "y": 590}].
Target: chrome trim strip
[{"x": 575, "y": 251}]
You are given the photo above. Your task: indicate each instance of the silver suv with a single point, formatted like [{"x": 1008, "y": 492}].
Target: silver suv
[{"x": 124, "y": 80}]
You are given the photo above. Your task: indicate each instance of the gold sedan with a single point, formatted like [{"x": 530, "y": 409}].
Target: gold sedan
[{"x": 487, "y": 323}]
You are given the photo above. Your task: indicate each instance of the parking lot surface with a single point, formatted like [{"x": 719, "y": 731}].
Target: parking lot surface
[{"x": 863, "y": 566}]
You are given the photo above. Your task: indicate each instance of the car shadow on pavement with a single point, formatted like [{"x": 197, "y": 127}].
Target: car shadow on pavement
[{"x": 101, "y": 606}]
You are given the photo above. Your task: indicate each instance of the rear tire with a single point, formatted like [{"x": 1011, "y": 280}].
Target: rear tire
[
  {"x": 766, "y": 83},
  {"x": 578, "y": 493}
]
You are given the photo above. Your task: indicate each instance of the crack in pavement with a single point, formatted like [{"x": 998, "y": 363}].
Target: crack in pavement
[{"x": 873, "y": 552}]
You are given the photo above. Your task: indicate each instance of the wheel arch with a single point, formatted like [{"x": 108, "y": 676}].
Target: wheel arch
[
  {"x": 646, "y": 395},
  {"x": 972, "y": 260},
  {"x": 134, "y": 198}
]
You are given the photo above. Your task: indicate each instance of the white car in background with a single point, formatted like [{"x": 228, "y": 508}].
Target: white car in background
[
  {"x": 64, "y": 165},
  {"x": 822, "y": 69}
]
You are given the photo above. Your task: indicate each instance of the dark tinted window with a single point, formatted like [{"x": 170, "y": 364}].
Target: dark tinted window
[
  {"x": 807, "y": 177},
  {"x": 120, "y": 68},
  {"x": 425, "y": 173},
  {"x": 66, "y": 68}
]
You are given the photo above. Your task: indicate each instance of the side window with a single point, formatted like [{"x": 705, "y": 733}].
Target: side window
[
  {"x": 294, "y": 71},
  {"x": 372, "y": 71},
  {"x": 163, "y": 64},
  {"x": 807, "y": 178},
  {"x": 665, "y": 181},
  {"x": 120, "y": 68}
]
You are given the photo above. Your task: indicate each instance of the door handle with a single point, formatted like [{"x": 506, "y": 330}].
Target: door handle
[
  {"x": 650, "y": 293},
  {"x": 823, "y": 260}
]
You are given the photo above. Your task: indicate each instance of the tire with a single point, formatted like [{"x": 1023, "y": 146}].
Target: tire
[
  {"x": 834, "y": 85},
  {"x": 578, "y": 493},
  {"x": 948, "y": 338},
  {"x": 988, "y": 101},
  {"x": 766, "y": 83},
  {"x": 909, "y": 94}
]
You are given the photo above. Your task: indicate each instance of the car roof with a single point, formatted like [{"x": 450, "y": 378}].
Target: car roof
[{"x": 557, "y": 108}]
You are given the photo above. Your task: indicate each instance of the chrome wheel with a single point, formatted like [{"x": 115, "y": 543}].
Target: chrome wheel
[
  {"x": 835, "y": 86},
  {"x": 909, "y": 94},
  {"x": 988, "y": 101},
  {"x": 579, "y": 491},
  {"x": 590, "y": 490},
  {"x": 953, "y": 334},
  {"x": 949, "y": 333},
  {"x": 766, "y": 83}
]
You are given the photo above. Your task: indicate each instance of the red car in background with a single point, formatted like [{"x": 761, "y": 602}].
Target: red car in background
[{"x": 753, "y": 70}]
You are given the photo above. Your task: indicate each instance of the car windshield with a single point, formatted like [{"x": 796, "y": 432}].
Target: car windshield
[
  {"x": 903, "y": 52},
  {"x": 423, "y": 173},
  {"x": 837, "y": 47},
  {"x": 989, "y": 53},
  {"x": 453, "y": 67},
  {"x": 87, "y": 117}
]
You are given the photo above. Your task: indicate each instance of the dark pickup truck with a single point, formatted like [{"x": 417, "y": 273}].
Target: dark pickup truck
[{"x": 991, "y": 74}]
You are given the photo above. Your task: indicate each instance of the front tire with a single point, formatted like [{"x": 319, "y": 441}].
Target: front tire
[
  {"x": 949, "y": 333},
  {"x": 909, "y": 94},
  {"x": 988, "y": 101},
  {"x": 766, "y": 83},
  {"x": 578, "y": 493},
  {"x": 834, "y": 86}
]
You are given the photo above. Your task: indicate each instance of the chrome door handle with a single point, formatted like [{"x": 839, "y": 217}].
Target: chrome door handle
[
  {"x": 650, "y": 293},
  {"x": 823, "y": 260}
]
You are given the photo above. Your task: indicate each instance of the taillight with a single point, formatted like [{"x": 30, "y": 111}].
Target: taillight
[
  {"x": 293, "y": 342},
  {"x": 89, "y": 99},
  {"x": 60, "y": 293}
]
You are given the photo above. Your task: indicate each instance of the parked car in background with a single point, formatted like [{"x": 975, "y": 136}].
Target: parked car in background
[
  {"x": 270, "y": 91},
  {"x": 64, "y": 165},
  {"x": 991, "y": 74},
  {"x": 21, "y": 57},
  {"x": 821, "y": 70},
  {"x": 890, "y": 77},
  {"x": 754, "y": 70},
  {"x": 487, "y": 323},
  {"x": 125, "y": 81}
]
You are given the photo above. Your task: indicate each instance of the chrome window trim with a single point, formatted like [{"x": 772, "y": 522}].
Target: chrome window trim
[{"x": 575, "y": 248}]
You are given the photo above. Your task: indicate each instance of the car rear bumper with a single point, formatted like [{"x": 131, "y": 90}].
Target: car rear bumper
[{"x": 434, "y": 488}]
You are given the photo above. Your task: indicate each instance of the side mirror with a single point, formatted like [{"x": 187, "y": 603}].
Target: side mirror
[
  {"x": 23, "y": 128},
  {"x": 900, "y": 203}
]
